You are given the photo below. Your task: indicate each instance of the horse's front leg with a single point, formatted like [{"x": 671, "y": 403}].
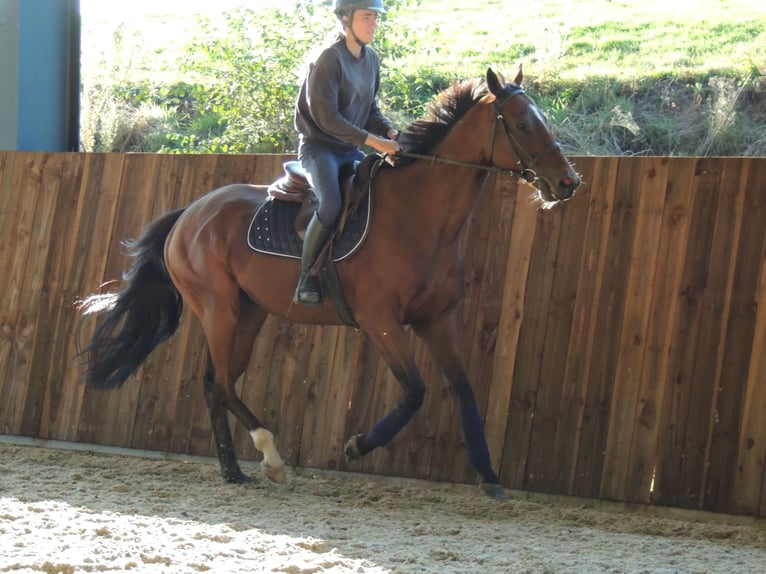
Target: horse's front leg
[
  {"x": 441, "y": 337},
  {"x": 393, "y": 344}
]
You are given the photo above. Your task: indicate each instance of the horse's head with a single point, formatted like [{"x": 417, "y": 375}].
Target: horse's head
[{"x": 521, "y": 142}]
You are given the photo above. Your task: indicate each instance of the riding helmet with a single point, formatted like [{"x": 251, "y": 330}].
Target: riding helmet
[{"x": 351, "y": 5}]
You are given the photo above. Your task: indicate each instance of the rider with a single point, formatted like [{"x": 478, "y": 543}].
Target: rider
[{"x": 335, "y": 114}]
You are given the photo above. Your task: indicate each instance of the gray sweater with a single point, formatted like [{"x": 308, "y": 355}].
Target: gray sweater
[{"x": 336, "y": 105}]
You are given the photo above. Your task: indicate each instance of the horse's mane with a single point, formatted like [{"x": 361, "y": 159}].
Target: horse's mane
[{"x": 443, "y": 113}]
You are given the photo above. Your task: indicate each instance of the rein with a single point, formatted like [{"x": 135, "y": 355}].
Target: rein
[
  {"x": 527, "y": 175},
  {"x": 526, "y": 172}
]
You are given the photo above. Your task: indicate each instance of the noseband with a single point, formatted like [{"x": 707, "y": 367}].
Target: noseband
[{"x": 526, "y": 172}]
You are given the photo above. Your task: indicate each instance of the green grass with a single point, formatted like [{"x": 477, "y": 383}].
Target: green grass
[
  {"x": 614, "y": 76},
  {"x": 579, "y": 39}
]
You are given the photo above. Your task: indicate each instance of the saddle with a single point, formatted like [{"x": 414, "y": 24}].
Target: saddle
[
  {"x": 294, "y": 187},
  {"x": 279, "y": 225}
]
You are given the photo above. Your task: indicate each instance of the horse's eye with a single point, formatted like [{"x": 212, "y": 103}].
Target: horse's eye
[{"x": 522, "y": 127}]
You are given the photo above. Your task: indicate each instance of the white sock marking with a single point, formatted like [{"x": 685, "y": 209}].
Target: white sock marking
[{"x": 264, "y": 442}]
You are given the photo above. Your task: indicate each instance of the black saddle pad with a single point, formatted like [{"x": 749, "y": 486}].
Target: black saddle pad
[{"x": 272, "y": 230}]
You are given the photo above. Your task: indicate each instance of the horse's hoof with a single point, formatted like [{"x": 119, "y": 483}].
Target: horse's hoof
[
  {"x": 275, "y": 473},
  {"x": 351, "y": 450},
  {"x": 495, "y": 491}
]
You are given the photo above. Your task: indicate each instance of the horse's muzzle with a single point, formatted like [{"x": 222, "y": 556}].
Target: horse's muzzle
[
  {"x": 563, "y": 190},
  {"x": 566, "y": 187}
]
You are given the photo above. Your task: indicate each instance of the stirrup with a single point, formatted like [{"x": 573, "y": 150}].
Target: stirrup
[{"x": 308, "y": 292}]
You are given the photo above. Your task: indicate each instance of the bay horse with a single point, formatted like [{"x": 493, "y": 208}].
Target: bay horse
[{"x": 408, "y": 272}]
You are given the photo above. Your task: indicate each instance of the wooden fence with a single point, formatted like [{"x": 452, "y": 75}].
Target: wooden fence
[{"x": 617, "y": 344}]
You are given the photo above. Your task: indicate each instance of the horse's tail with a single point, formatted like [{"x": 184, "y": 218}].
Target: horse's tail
[{"x": 138, "y": 318}]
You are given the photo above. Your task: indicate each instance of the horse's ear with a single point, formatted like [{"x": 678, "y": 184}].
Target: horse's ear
[
  {"x": 519, "y": 77},
  {"x": 494, "y": 83}
]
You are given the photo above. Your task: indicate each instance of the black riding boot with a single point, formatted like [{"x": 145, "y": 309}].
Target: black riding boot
[{"x": 308, "y": 291}]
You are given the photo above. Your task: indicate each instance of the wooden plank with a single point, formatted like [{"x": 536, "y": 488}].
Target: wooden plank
[
  {"x": 48, "y": 331},
  {"x": 113, "y": 412},
  {"x": 601, "y": 175},
  {"x": 721, "y": 275},
  {"x": 652, "y": 179},
  {"x": 506, "y": 346},
  {"x": 345, "y": 371},
  {"x": 199, "y": 437},
  {"x": 544, "y": 472},
  {"x": 727, "y": 285},
  {"x": 274, "y": 386},
  {"x": 10, "y": 204},
  {"x": 265, "y": 372},
  {"x": 320, "y": 391},
  {"x": 13, "y": 195},
  {"x": 4, "y": 155},
  {"x": 609, "y": 315},
  {"x": 742, "y": 221},
  {"x": 10, "y": 198},
  {"x": 35, "y": 309},
  {"x": 184, "y": 352},
  {"x": 268, "y": 167},
  {"x": 240, "y": 169},
  {"x": 199, "y": 177},
  {"x": 283, "y": 353},
  {"x": 673, "y": 240},
  {"x": 14, "y": 259},
  {"x": 191, "y": 413},
  {"x": 748, "y": 492},
  {"x": 370, "y": 388},
  {"x": 157, "y": 395},
  {"x": 489, "y": 388},
  {"x": 156, "y": 414},
  {"x": 508, "y": 193},
  {"x": 531, "y": 349},
  {"x": 70, "y": 278},
  {"x": 433, "y": 438},
  {"x": 690, "y": 390},
  {"x": 288, "y": 420},
  {"x": 189, "y": 380}
]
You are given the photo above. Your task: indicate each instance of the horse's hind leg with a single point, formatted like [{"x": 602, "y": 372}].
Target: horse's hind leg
[
  {"x": 231, "y": 331},
  {"x": 221, "y": 431}
]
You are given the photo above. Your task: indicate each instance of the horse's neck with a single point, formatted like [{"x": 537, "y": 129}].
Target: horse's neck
[
  {"x": 451, "y": 191},
  {"x": 467, "y": 141}
]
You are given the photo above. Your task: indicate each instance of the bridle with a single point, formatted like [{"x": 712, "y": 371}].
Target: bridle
[{"x": 526, "y": 172}]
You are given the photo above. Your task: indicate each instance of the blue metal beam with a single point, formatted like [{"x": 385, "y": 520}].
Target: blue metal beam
[{"x": 48, "y": 75}]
